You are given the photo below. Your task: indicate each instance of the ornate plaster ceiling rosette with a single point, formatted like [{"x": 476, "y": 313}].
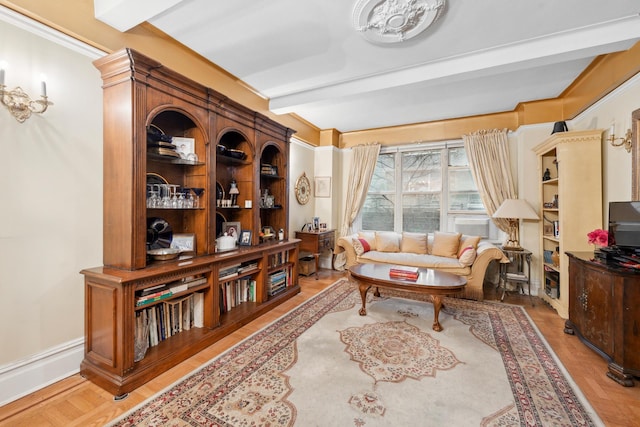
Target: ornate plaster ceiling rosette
[{"x": 393, "y": 21}]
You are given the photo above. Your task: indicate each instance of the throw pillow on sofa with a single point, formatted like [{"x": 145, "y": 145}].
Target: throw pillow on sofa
[
  {"x": 414, "y": 243},
  {"x": 387, "y": 241},
  {"x": 467, "y": 241},
  {"x": 360, "y": 246},
  {"x": 446, "y": 244},
  {"x": 370, "y": 237},
  {"x": 467, "y": 256}
]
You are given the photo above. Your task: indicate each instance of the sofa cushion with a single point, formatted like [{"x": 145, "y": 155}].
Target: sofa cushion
[
  {"x": 467, "y": 256},
  {"x": 450, "y": 265},
  {"x": 466, "y": 241},
  {"x": 446, "y": 244},
  {"x": 387, "y": 241},
  {"x": 414, "y": 243},
  {"x": 370, "y": 237},
  {"x": 360, "y": 246}
]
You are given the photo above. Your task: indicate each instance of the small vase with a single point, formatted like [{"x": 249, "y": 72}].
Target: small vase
[{"x": 555, "y": 257}]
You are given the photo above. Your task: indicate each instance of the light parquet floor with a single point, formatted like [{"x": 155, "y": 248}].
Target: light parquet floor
[{"x": 75, "y": 401}]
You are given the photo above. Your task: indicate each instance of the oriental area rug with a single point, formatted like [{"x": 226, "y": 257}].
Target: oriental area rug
[{"x": 323, "y": 364}]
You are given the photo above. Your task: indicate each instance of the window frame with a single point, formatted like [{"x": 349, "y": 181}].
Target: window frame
[{"x": 447, "y": 216}]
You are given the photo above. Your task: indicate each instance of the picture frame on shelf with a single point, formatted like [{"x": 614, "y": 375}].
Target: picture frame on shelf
[
  {"x": 186, "y": 242},
  {"x": 232, "y": 229},
  {"x": 245, "y": 238},
  {"x": 184, "y": 146},
  {"x": 323, "y": 186}
]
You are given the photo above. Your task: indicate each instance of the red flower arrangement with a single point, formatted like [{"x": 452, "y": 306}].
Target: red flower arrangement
[{"x": 598, "y": 237}]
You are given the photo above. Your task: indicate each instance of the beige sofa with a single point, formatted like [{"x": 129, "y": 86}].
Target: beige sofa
[{"x": 442, "y": 251}]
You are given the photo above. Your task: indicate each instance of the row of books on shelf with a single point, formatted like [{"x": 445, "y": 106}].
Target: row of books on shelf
[
  {"x": 278, "y": 281},
  {"x": 236, "y": 270},
  {"x": 235, "y": 292},
  {"x": 267, "y": 169},
  {"x": 167, "y": 290},
  {"x": 156, "y": 324},
  {"x": 407, "y": 273},
  {"x": 278, "y": 258}
]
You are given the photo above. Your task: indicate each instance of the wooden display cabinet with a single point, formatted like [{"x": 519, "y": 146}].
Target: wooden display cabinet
[{"x": 141, "y": 96}]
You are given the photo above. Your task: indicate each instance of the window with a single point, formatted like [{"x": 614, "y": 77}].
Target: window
[{"x": 419, "y": 190}]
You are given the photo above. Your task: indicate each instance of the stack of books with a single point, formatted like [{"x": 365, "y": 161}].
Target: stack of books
[{"x": 406, "y": 273}]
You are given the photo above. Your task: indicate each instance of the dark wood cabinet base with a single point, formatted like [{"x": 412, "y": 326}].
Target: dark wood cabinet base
[{"x": 604, "y": 315}]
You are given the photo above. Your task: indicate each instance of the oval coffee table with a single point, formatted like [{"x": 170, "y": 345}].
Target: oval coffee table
[{"x": 431, "y": 282}]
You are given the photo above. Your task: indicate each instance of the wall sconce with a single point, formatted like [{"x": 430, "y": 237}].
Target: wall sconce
[
  {"x": 624, "y": 141},
  {"x": 18, "y": 102}
]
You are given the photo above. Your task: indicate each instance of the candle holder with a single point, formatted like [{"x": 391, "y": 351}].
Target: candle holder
[
  {"x": 625, "y": 141},
  {"x": 20, "y": 105}
]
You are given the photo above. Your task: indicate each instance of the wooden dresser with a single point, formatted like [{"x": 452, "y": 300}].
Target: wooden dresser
[
  {"x": 317, "y": 242},
  {"x": 604, "y": 314}
]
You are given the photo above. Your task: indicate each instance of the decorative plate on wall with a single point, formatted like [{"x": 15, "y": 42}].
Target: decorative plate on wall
[{"x": 303, "y": 189}]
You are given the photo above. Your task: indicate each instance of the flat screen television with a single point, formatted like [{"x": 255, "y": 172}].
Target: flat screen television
[{"x": 624, "y": 224}]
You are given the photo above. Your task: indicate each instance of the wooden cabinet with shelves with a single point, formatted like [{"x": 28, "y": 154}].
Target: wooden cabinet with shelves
[
  {"x": 571, "y": 204},
  {"x": 149, "y": 179}
]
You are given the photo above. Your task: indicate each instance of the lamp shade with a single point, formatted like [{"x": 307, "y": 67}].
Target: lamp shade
[{"x": 515, "y": 208}]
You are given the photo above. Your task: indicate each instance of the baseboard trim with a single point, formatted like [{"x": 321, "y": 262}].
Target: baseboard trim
[{"x": 25, "y": 376}]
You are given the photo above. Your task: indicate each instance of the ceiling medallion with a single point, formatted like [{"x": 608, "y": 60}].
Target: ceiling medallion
[{"x": 393, "y": 21}]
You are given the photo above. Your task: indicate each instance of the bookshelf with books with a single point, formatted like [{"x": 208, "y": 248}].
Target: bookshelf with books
[
  {"x": 168, "y": 312},
  {"x": 566, "y": 161}
]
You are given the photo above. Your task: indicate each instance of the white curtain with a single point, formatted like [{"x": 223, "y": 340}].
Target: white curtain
[
  {"x": 362, "y": 167},
  {"x": 488, "y": 154}
]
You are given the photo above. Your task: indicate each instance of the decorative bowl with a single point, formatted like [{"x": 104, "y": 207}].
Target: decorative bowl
[{"x": 163, "y": 254}]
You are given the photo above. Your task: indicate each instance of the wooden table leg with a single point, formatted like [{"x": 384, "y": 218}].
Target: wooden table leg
[
  {"x": 437, "y": 305},
  {"x": 317, "y": 256},
  {"x": 363, "y": 294}
]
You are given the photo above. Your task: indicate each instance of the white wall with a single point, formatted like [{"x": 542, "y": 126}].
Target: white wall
[
  {"x": 301, "y": 160},
  {"x": 51, "y": 196}
]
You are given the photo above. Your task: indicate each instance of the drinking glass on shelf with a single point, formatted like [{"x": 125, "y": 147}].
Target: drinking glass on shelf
[
  {"x": 198, "y": 192},
  {"x": 188, "y": 198},
  {"x": 151, "y": 196},
  {"x": 174, "y": 196},
  {"x": 166, "y": 196}
]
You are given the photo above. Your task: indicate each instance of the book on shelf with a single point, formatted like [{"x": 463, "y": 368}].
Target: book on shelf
[
  {"x": 198, "y": 310},
  {"x": 196, "y": 281},
  {"x": 141, "y": 301},
  {"x": 248, "y": 266},
  {"x": 153, "y": 290},
  {"x": 179, "y": 287}
]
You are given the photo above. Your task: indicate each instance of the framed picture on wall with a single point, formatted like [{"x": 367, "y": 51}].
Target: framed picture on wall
[{"x": 323, "y": 186}]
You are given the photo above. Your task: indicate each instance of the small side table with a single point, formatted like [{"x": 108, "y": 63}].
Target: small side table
[
  {"x": 317, "y": 242},
  {"x": 517, "y": 271}
]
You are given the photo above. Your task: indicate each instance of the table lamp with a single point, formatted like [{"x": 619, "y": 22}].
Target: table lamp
[{"x": 513, "y": 210}]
